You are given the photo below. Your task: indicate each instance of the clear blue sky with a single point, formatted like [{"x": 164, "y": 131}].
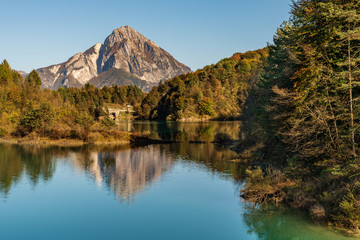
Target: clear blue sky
[{"x": 40, "y": 33}]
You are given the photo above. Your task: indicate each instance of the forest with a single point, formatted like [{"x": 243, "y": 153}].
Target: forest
[
  {"x": 216, "y": 92},
  {"x": 303, "y": 116},
  {"x": 298, "y": 100},
  {"x": 31, "y": 113}
]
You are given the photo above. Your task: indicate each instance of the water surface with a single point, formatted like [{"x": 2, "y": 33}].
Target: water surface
[
  {"x": 171, "y": 191},
  {"x": 183, "y": 131}
]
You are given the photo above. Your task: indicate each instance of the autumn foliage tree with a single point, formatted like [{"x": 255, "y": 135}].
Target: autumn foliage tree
[{"x": 214, "y": 92}]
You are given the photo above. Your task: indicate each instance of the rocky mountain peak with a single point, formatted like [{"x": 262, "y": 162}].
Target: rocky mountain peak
[
  {"x": 126, "y": 32},
  {"x": 125, "y": 49},
  {"x": 94, "y": 49}
]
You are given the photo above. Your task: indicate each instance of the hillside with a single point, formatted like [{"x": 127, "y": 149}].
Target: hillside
[{"x": 217, "y": 91}]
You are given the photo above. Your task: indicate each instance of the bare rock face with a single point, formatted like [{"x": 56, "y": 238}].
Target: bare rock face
[
  {"x": 76, "y": 72},
  {"x": 124, "y": 49}
]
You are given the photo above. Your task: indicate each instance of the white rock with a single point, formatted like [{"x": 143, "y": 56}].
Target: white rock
[{"x": 124, "y": 49}]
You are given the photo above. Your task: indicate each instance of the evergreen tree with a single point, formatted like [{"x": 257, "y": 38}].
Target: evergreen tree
[
  {"x": 343, "y": 19},
  {"x": 33, "y": 80},
  {"x": 5, "y": 73},
  {"x": 325, "y": 50},
  {"x": 314, "y": 105}
]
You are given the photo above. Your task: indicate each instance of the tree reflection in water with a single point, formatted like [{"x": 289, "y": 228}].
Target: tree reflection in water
[
  {"x": 183, "y": 132},
  {"x": 124, "y": 170},
  {"x": 36, "y": 163}
]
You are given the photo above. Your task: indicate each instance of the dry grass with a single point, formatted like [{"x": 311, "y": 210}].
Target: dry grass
[{"x": 266, "y": 186}]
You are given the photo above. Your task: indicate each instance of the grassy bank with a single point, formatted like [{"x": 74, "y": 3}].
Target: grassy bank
[
  {"x": 61, "y": 142},
  {"x": 114, "y": 137}
]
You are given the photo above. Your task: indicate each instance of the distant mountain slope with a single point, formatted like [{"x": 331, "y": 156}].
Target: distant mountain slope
[
  {"x": 119, "y": 77},
  {"x": 124, "y": 49}
]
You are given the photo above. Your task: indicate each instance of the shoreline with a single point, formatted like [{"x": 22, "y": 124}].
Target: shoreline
[
  {"x": 46, "y": 142},
  {"x": 131, "y": 139},
  {"x": 60, "y": 142}
]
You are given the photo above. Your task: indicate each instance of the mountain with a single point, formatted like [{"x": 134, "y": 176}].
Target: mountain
[
  {"x": 124, "y": 49},
  {"x": 120, "y": 77}
]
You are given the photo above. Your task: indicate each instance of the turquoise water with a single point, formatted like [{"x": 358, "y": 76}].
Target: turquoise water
[{"x": 177, "y": 191}]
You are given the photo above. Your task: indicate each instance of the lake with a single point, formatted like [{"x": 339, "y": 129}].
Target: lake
[{"x": 182, "y": 190}]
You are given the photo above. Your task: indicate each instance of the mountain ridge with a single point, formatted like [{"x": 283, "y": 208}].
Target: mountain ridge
[{"x": 126, "y": 49}]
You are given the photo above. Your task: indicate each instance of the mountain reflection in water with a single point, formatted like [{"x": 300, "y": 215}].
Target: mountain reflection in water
[
  {"x": 124, "y": 170},
  {"x": 198, "y": 194}
]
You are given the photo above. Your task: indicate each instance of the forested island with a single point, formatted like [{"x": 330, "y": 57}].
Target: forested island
[{"x": 298, "y": 100}]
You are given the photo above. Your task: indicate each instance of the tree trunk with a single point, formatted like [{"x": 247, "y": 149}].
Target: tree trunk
[{"x": 351, "y": 100}]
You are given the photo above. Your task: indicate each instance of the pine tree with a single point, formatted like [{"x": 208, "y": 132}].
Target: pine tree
[
  {"x": 5, "y": 73},
  {"x": 33, "y": 80},
  {"x": 325, "y": 42},
  {"x": 344, "y": 18}
]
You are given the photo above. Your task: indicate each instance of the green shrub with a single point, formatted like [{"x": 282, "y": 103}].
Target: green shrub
[
  {"x": 3, "y": 132},
  {"x": 349, "y": 215},
  {"x": 108, "y": 123}
]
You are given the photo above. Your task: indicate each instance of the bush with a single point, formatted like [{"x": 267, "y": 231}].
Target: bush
[
  {"x": 94, "y": 137},
  {"x": 34, "y": 136},
  {"x": 3, "y": 132},
  {"x": 79, "y": 133},
  {"x": 85, "y": 120},
  {"x": 58, "y": 133},
  {"x": 267, "y": 186},
  {"x": 36, "y": 119},
  {"x": 349, "y": 215},
  {"x": 108, "y": 123},
  {"x": 117, "y": 134},
  {"x": 29, "y": 121}
]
